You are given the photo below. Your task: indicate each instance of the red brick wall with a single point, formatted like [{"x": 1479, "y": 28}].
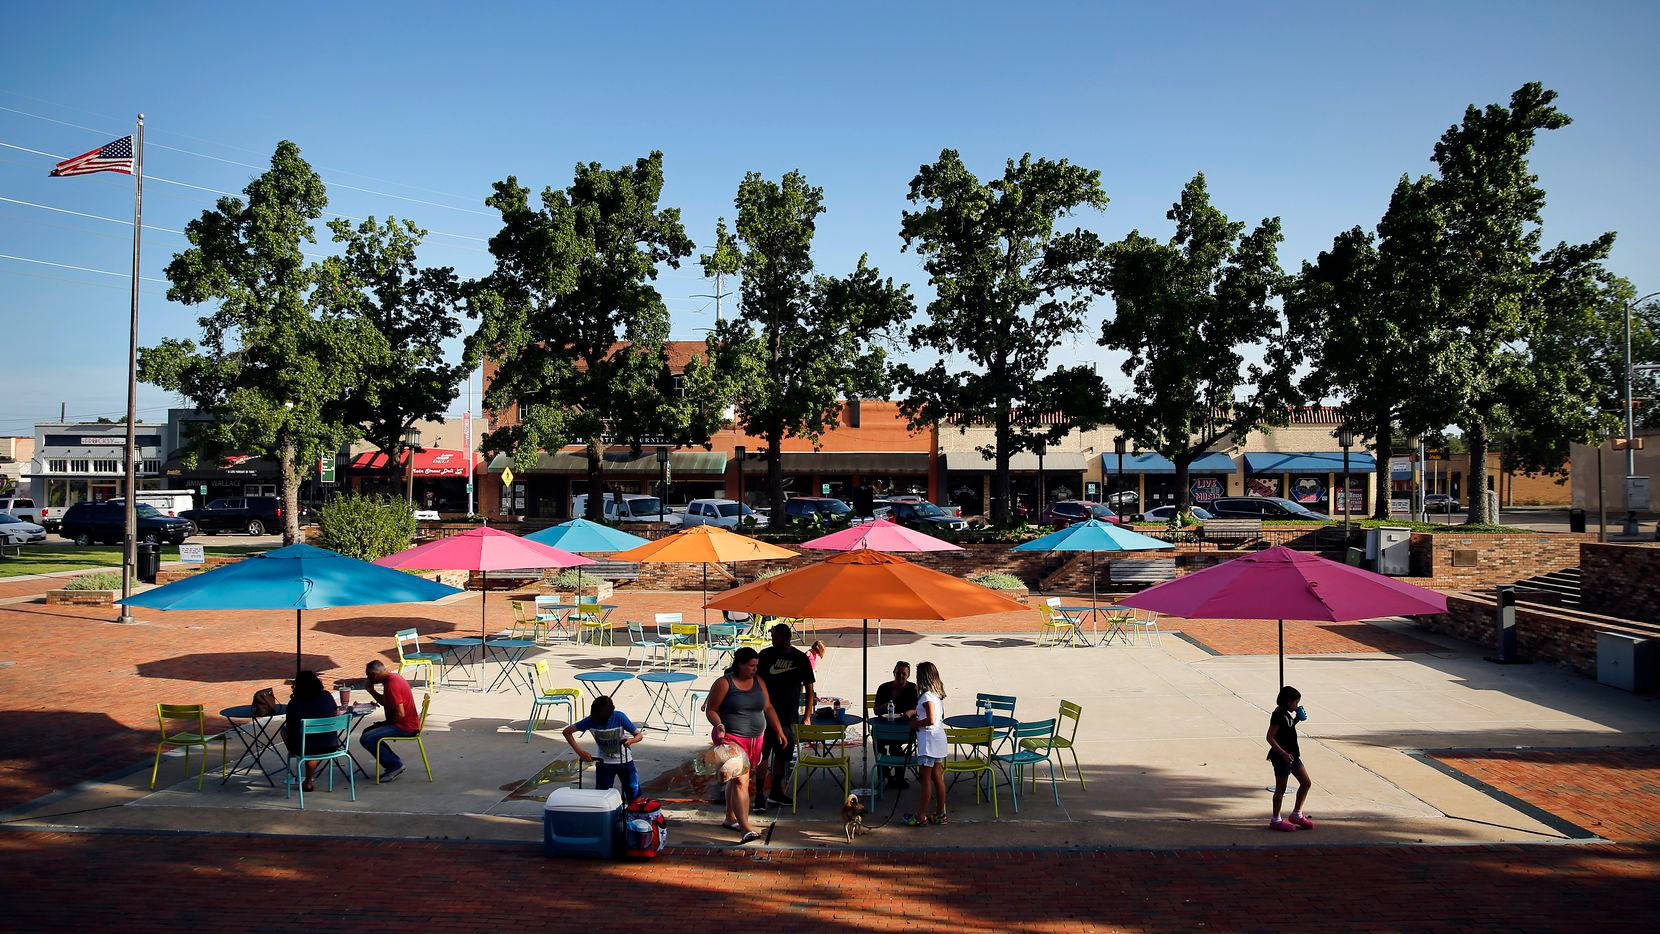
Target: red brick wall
[
  {"x": 1620, "y": 580},
  {"x": 1542, "y": 634},
  {"x": 1499, "y": 559}
]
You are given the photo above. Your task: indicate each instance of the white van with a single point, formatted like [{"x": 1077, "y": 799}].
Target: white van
[
  {"x": 633, "y": 507},
  {"x": 166, "y": 502}
]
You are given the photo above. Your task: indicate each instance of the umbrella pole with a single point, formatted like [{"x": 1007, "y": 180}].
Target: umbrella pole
[
  {"x": 297, "y": 642},
  {"x": 1282, "y": 653},
  {"x": 864, "y": 685},
  {"x": 705, "y": 593}
]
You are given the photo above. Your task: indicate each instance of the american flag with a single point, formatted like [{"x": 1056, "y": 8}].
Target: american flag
[{"x": 111, "y": 157}]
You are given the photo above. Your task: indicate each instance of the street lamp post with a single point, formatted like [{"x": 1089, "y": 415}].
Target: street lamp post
[
  {"x": 1118, "y": 444},
  {"x": 738, "y": 453},
  {"x": 662, "y": 483},
  {"x": 1630, "y": 421},
  {"x": 411, "y": 444},
  {"x": 1345, "y": 440}
]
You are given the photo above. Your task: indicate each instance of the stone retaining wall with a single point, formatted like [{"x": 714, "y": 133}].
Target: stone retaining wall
[
  {"x": 1543, "y": 633},
  {"x": 1620, "y": 580},
  {"x": 1460, "y": 562}
]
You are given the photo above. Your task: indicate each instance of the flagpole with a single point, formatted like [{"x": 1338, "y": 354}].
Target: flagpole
[{"x": 130, "y": 552}]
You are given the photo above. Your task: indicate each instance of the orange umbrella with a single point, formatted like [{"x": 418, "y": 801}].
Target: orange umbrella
[
  {"x": 702, "y": 544},
  {"x": 865, "y": 585}
]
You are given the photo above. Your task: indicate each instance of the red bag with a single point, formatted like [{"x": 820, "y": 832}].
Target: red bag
[{"x": 645, "y": 829}]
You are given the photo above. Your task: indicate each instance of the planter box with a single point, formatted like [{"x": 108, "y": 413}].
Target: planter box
[
  {"x": 592, "y": 589},
  {"x": 80, "y": 598},
  {"x": 1013, "y": 594}
]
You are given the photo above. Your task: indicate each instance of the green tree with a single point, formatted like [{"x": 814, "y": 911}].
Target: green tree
[
  {"x": 1008, "y": 288},
  {"x": 1184, "y": 313},
  {"x": 801, "y": 343},
  {"x": 574, "y": 326},
  {"x": 1492, "y": 282},
  {"x": 415, "y": 309},
  {"x": 273, "y": 368}
]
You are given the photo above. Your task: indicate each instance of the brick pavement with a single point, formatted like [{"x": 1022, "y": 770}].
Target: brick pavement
[
  {"x": 1614, "y": 793},
  {"x": 122, "y": 880}
]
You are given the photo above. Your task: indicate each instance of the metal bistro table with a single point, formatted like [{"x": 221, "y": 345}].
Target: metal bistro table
[
  {"x": 660, "y": 686},
  {"x": 461, "y": 647},
  {"x": 593, "y": 679},
  {"x": 261, "y": 738},
  {"x": 1077, "y": 614},
  {"x": 556, "y": 616},
  {"x": 511, "y": 650}
]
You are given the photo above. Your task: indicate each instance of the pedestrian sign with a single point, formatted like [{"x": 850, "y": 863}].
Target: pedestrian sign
[{"x": 507, "y": 476}]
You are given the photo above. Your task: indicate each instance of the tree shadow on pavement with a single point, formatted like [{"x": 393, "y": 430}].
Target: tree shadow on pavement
[
  {"x": 220, "y": 667},
  {"x": 386, "y": 626}
]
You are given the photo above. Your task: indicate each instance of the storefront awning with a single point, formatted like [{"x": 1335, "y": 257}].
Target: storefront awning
[
  {"x": 430, "y": 462},
  {"x": 842, "y": 462},
  {"x": 1214, "y": 462},
  {"x": 1308, "y": 462},
  {"x": 621, "y": 464},
  {"x": 1021, "y": 462},
  {"x": 234, "y": 466}
]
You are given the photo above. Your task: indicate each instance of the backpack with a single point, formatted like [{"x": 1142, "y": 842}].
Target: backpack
[{"x": 645, "y": 830}]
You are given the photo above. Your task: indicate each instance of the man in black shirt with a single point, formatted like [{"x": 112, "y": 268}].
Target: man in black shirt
[
  {"x": 786, "y": 672},
  {"x": 901, "y": 695}
]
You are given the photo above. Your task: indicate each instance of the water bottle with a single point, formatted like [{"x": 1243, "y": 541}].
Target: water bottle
[
  {"x": 890, "y": 710},
  {"x": 985, "y": 709}
]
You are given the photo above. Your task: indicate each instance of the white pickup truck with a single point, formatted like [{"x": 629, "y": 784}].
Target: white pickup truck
[{"x": 23, "y": 508}]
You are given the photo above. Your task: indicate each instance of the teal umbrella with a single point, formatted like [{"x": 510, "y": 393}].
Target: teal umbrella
[
  {"x": 1093, "y": 535},
  {"x": 584, "y": 537},
  {"x": 297, "y": 577}
]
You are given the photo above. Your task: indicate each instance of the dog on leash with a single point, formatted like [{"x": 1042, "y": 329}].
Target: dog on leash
[{"x": 853, "y": 817}]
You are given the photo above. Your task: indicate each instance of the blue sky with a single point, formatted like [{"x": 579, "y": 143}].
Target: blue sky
[{"x": 1297, "y": 110}]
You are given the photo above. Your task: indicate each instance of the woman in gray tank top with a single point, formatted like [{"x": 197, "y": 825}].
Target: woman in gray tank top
[{"x": 740, "y": 712}]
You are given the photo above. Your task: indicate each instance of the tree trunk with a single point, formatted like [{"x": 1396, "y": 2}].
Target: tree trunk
[
  {"x": 1383, "y": 476},
  {"x": 1476, "y": 434},
  {"x": 1002, "y": 489},
  {"x": 775, "y": 470},
  {"x": 1184, "y": 493},
  {"x": 289, "y": 479},
  {"x": 594, "y": 509}
]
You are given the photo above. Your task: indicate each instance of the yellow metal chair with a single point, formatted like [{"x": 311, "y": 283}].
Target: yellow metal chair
[
  {"x": 420, "y": 743},
  {"x": 543, "y": 695},
  {"x": 686, "y": 640},
  {"x": 1057, "y": 628},
  {"x": 183, "y": 715},
  {"x": 971, "y": 755},
  {"x": 413, "y": 657},
  {"x": 593, "y": 623},
  {"x": 526, "y": 624},
  {"x": 1072, "y": 712},
  {"x": 813, "y": 745}
]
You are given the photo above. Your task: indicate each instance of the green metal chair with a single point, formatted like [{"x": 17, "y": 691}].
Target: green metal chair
[
  {"x": 433, "y": 662},
  {"x": 296, "y": 763},
  {"x": 185, "y": 737},
  {"x": 1072, "y": 712},
  {"x": 544, "y": 695},
  {"x": 882, "y": 732},
  {"x": 1023, "y": 757},
  {"x": 806, "y": 760},
  {"x": 965, "y": 759},
  {"x": 417, "y": 739}
]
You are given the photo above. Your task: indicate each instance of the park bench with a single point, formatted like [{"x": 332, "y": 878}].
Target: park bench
[
  {"x": 16, "y": 550},
  {"x": 1142, "y": 572},
  {"x": 612, "y": 570},
  {"x": 1233, "y": 531}
]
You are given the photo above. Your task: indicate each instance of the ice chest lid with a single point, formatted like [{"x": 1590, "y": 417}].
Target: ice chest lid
[{"x": 584, "y": 799}]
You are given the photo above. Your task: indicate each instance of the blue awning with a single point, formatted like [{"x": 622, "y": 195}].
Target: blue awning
[
  {"x": 1308, "y": 462},
  {"x": 1214, "y": 462}
]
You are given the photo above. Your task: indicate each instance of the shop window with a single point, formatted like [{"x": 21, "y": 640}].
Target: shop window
[
  {"x": 58, "y": 466},
  {"x": 853, "y": 413},
  {"x": 152, "y": 466},
  {"x": 106, "y": 466},
  {"x": 80, "y": 466}
]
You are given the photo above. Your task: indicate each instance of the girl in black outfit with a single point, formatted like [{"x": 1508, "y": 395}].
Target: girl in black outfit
[
  {"x": 1287, "y": 759},
  {"x": 310, "y": 702}
]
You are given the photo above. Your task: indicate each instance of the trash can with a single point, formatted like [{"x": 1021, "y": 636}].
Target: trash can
[
  {"x": 149, "y": 561},
  {"x": 1576, "y": 520}
]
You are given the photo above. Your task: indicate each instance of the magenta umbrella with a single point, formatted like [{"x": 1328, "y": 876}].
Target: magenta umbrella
[
  {"x": 880, "y": 535},
  {"x": 1282, "y": 584},
  {"x": 482, "y": 549}
]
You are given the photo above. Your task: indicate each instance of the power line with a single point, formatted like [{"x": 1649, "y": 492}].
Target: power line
[
  {"x": 101, "y": 272},
  {"x": 117, "y": 220}
]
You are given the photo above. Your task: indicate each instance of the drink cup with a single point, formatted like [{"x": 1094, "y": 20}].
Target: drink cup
[{"x": 345, "y": 697}]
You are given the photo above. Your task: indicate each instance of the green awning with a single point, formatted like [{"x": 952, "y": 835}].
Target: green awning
[
  {"x": 622, "y": 464},
  {"x": 840, "y": 462}
]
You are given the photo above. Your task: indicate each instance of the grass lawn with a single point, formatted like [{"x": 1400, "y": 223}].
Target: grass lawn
[{"x": 45, "y": 559}]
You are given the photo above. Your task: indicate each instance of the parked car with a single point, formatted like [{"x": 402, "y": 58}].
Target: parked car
[
  {"x": 251, "y": 515},
  {"x": 21, "y": 508},
  {"x": 726, "y": 513},
  {"x": 920, "y": 515},
  {"x": 627, "y": 507},
  {"x": 1166, "y": 513},
  {"x": 87, "y": 522},
  {"x": 18, "y": 531},
  {"x": 1126, "y": 500},
  {"x": 1070, "y": 511},
  {"x": 1441, "y": 502},
  {"x": 802, "y": 507},
  {"x": 1269, "y": 508}
]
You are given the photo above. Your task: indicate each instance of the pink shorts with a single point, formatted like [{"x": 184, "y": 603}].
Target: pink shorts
[{"x": 751, "y": 745}]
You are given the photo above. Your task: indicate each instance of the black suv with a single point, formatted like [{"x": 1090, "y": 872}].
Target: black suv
[
  {"x": 1271, "y": 508},
  {"x": 923, "y": 516},
  {"x": 805, "y": 507},
  {"x": 85, "y": 523},
  {"x": 251, "y": 515}
]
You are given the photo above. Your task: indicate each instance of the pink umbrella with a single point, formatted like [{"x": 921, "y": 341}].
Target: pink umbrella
[
  {"x": 880, "y": 535},
  {"x": 482, "y": 549},
  {"x": 1282, "y": 584}
]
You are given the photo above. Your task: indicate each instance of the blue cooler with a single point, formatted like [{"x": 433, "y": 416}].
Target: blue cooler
[{"x": 582, "y": 822}]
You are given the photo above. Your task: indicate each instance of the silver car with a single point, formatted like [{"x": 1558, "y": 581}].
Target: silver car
[
  {"x": 725, "y": 513},
  {"x": 15, "y": 531}
]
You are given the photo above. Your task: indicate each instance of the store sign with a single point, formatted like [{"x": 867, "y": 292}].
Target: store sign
[
  {"x": 1206, "y": 490},
  {"x": 192, "y": 554},
  {"x": 104, "y": 441},
  {"x": 1262, "y": 486},
  {"x": 1308, "y": 489}
]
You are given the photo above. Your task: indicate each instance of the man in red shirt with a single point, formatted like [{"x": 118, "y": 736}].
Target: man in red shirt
[{"x": 402, "y": 717}]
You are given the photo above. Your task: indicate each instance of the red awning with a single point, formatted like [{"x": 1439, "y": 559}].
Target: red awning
[{"x": 432, "y": 462}]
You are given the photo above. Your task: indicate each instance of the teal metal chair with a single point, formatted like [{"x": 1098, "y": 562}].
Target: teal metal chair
[
  {"x": 1042, "y": 733},
  {"x": 543, "y": 694},
  {"x": 413, "y": 657},
  {"x": 723, "y": 641},
  {"x": 1001, "y": 705},
  {"x": 296, "y": 764},
  {"x": 654, "y": 646},
  {"x": 882, "y": 732}
]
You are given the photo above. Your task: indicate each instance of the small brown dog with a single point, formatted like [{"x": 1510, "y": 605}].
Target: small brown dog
[{"x": 853, "y": 817}]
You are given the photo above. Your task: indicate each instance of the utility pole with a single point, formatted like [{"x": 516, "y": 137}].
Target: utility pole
[{"x": 720, "y": 293}]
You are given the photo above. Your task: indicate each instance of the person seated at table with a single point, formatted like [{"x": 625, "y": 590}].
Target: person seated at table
[
  {"x": 403, "y": 718},
  {"x": 740, "y": 712},
  {"x": 900, "y": 697},
  {"x": 613, "y": 733},
  {"x": 309, "y": 702}
]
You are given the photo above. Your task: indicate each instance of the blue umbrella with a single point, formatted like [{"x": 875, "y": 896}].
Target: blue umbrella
[
  {"x": 1093, "y": 535},
  {"x": 584, "y": 537},
  {"x": 297, "y": 577}
]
